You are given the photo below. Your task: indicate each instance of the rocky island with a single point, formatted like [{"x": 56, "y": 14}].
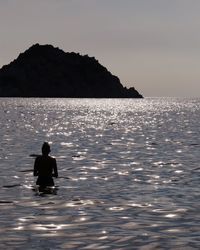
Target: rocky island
[{"x": 46, "y": 71}]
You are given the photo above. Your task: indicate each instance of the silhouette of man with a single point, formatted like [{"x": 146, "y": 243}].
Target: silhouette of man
[{"x": 45, "y": 167}]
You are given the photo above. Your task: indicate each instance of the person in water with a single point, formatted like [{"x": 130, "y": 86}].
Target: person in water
[{"x": 45, "y": 167}]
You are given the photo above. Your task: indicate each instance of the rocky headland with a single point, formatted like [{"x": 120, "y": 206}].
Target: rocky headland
[{"x": 46, "y": 71}]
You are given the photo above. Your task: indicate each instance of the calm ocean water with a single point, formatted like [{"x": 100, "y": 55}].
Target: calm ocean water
[{"x": 129, "y": 174}]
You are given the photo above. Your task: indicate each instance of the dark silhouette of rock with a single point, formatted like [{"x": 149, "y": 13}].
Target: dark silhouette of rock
[{"x": 46, "y": 71}]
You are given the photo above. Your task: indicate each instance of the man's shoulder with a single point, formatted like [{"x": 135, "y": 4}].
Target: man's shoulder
[
  {"x": 38, "y": 157},
  {"x": 52, "y": 158}
]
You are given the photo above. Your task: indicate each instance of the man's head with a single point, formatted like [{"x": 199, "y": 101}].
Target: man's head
[{"x": 46, "y": 148}]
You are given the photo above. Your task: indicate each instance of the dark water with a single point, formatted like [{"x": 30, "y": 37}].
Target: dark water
[{"x": 129, "y": 174}]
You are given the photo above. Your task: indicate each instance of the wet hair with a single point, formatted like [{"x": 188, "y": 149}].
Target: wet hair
[{"x": 46, "y": 148}]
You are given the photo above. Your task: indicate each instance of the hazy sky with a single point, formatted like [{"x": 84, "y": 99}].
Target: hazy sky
[{"x": 153, "y": 45}]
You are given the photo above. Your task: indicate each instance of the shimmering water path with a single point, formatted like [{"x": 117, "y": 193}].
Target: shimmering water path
[{"x": 129, "y": 174}]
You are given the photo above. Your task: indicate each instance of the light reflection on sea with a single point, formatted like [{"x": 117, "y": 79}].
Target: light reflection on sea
[{"x": 129, "y": 174}]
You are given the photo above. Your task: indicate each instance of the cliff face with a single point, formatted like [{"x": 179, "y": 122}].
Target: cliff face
[{"x": 45, "y": 71}]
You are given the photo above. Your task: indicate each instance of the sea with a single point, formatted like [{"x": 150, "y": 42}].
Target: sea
[{"x": 129, "y": 174}]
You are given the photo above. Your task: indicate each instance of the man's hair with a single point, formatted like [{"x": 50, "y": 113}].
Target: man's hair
[{"x": 46, "y": 148}]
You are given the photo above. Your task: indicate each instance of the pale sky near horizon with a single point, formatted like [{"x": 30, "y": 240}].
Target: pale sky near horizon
[{"x": 153, "y": 45}]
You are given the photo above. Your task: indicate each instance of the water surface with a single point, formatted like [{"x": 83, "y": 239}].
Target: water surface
[{"x": 129, "y": 174}]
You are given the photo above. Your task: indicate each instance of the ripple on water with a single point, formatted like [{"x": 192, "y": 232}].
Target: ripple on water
[{"x": 129, "y": 174}]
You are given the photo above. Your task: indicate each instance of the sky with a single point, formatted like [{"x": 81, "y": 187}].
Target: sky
[{"x": 153, "y": 45}]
